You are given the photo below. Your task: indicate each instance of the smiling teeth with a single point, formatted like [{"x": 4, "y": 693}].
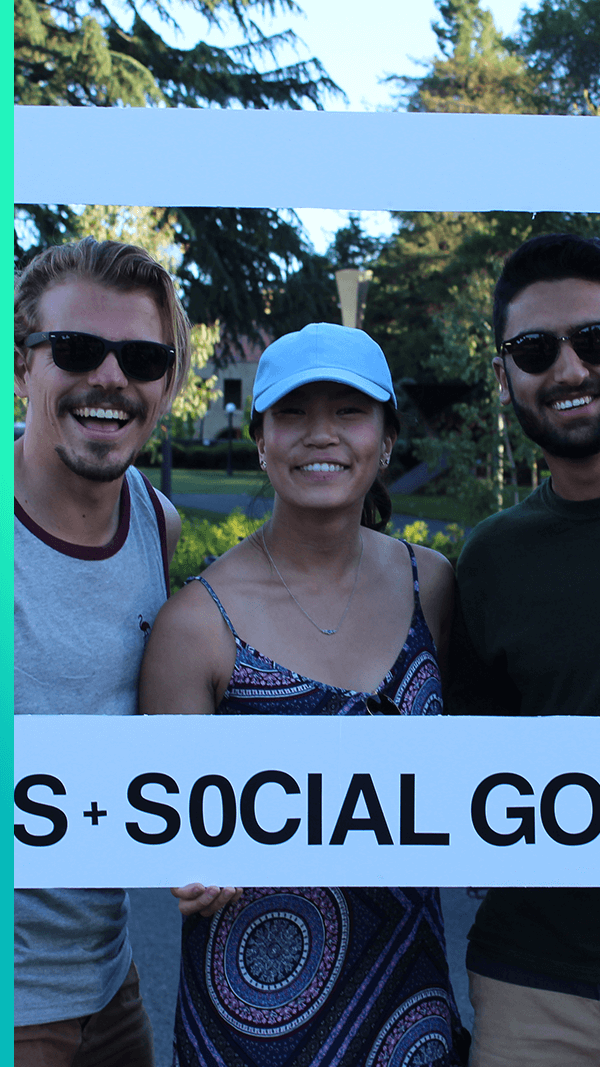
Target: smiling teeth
[
  {"x": 323, "y": 467},
  {"x": 101, "y": 413},
  {"x": 578, "y": 402}
]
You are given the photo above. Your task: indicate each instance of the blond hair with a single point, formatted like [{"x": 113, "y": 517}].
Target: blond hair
[{"x": 128, "y": 268}]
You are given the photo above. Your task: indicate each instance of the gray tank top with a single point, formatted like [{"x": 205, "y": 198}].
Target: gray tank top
[{"x": 82, "y": 617}]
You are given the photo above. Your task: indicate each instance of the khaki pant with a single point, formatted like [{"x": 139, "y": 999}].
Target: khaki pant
[
  {"x": 516, "y": 1026},
  {"x": 118, "y": 1036}
]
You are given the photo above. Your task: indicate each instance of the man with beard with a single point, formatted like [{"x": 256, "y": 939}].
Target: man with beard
[
  {"x": 101, "y": 348},
  {"x": 526, "y": 644}
]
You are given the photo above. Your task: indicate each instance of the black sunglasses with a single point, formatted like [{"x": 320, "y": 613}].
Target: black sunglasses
[
  {"x": 535, "y": 352},
  {"x": 146, "y": 361}
]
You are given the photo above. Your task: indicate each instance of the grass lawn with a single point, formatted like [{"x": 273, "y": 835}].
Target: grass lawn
[
  {"x": 444, "y": 508},
  {"x": 198, "y": 481}
]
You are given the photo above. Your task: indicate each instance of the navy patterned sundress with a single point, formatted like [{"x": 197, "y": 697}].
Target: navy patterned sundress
[{"x": 321, "y": 977}]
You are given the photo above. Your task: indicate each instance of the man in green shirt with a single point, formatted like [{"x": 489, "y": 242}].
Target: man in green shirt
[{"x": 527, "y": 644}]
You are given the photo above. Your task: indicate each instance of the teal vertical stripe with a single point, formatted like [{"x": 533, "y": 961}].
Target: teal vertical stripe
[{"x": 6, "y": 540}]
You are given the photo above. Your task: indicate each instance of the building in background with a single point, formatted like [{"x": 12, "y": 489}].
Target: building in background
[{"x": 234, "y": 382}]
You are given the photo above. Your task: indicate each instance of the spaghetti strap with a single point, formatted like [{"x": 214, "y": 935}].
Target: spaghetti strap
[
  {"x": 209, "y": 588},
  {"x": 415, "y": 574}
]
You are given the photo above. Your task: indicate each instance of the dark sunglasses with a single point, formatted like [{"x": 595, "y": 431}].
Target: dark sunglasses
[
  {"x": 146, "y": 361},
  {"x": 535, "y": 352}
]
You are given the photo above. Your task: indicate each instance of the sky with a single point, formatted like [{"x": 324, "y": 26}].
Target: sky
[{"x": 358, "y": 42}]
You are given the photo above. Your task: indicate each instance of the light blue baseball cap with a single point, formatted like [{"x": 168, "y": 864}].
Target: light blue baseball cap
[{"x": 322, "y": 352}]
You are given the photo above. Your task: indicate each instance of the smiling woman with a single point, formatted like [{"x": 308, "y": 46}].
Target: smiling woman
[{"x": 330, "y": 976}]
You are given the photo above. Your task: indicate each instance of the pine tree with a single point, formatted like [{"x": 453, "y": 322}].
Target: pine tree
[
  {"x": 561, "y": 44},
  {"x": 476, "y": 72},
  {"x": 76, "y": 52}
]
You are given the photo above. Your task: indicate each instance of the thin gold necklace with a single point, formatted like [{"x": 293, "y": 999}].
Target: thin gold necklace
[{"x": 328, "y": 633}]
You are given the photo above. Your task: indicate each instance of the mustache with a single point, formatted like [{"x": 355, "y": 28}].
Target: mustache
[
  {"x": 99, "y": 398},
  {"x": 557, "y": 393}
]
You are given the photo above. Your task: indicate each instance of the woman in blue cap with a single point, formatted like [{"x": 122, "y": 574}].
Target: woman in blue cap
[{"x": 318, "y": 613}]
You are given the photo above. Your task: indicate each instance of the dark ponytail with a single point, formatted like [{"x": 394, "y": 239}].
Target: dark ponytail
[{"x": 376, "y": 501}]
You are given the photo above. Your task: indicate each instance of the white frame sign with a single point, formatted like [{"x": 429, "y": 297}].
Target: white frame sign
[
  {"x": 388, "y": 161},
  {"x": 306, "y": 800}
]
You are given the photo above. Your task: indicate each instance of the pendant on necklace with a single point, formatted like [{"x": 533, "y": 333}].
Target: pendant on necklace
[{"x": 328, "y": 631}]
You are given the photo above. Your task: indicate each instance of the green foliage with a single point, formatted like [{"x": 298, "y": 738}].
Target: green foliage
[
  {"x": 477, "y": 72},
  {"x": 430, "y": 308},
  {"x": 449, "y": 542},
  {"x": 351, "y": 246},
  {"x": 411, "y": 278},
  {"x": 551, "y": 66},
  {"x": 83, "y": 52},
  {"x": 199, "y": 392},
  {"x": 151, "y": 227},
  {"x": 201, "y": 539},
  {"x": 246, "y": 419},
  {"x": 77, "y": 52},
  {"x": 233, "y": 258},
  {"x": 560, "y": 42},
  {"x": 307, "y": 294},
  {"x": 62, "y": 56}
]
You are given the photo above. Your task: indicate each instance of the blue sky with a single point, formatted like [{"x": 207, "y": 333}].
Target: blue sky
[{"x": 358, "y": 42}]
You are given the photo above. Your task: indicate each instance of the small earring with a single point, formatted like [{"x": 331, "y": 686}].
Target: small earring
[
  {"x": 263, "y": 464},
  {"x": 383, "y": 462}
]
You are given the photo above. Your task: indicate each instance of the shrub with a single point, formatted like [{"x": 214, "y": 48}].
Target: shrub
[
  {"x": 202, "y": 541},
  {"x": 193, "y": 455},
  {"x": 449, "y": 542}
]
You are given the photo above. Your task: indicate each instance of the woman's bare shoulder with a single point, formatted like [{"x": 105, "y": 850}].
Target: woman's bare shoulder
[
  {"x": 429, "y": 562},
  {"x": 190, "y": 612},
  {"x": 433, "y": 566}
]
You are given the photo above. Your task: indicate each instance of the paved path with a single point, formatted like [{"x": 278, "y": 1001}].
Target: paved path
[{"x": 255, "y": 507}]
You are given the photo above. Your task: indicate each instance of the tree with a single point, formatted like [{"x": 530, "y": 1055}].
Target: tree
[
  {"x": 411, "y": 279},
  {"x": 430, "y": 308},
  {"x": 309, "y": 293},
  {"x": 233, "y": 260},
  {"x": 431, "y": 297},
  {"x": 476, "y": 73},
  {"x": 77, "y": 52},
  {"x": 561, "y": 44}
]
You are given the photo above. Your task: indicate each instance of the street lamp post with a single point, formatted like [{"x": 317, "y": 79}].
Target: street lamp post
[
  {"x": 230, "y": 410},
  {"x": 352, "y": 285}
]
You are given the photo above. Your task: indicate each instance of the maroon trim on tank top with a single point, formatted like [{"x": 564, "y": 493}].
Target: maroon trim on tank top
[
  {"x": 88, "y": 552},
  {"x": 162, "y": 528}
]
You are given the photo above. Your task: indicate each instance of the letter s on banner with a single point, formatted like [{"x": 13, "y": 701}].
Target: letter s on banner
[
  {"x": 152, "y": 807},
  {"x": 47, "y": 811}
]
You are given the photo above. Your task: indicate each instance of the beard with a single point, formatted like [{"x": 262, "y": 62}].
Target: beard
[
  {"x": 95, "y": 471},
  {"x": 575, "y": 442}
]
